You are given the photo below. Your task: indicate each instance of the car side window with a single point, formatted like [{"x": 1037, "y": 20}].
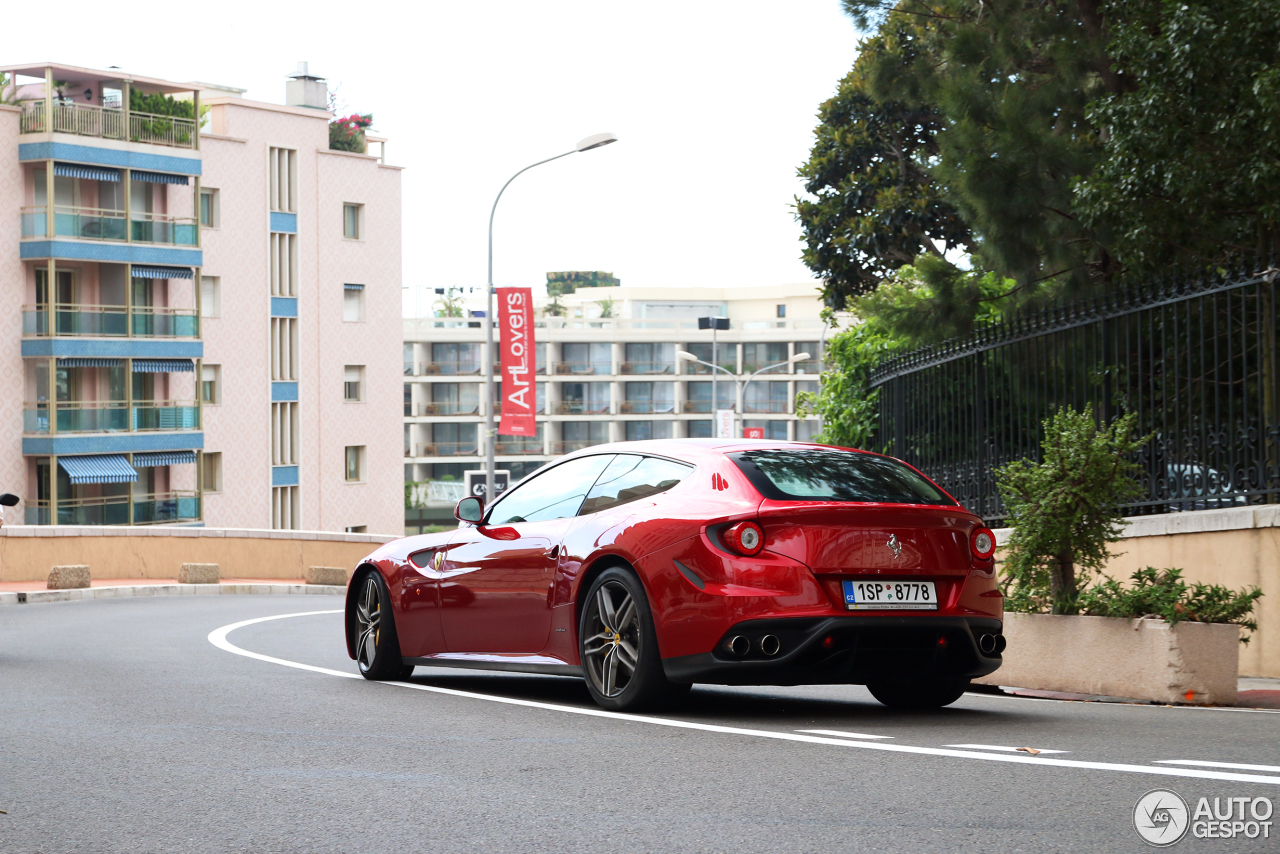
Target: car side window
[
  {"x": 631, "y": 477},
  {"x": 555, "y": 494}
]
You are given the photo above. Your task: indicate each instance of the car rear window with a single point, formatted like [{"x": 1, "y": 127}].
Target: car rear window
[{"x": 817, "y": 474}]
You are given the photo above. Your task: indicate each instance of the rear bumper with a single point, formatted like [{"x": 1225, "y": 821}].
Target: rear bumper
[{"x": 844, "y": 650}]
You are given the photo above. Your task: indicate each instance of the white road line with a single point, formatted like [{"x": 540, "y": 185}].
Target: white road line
[
  {"x": 1219, "y": 764},
  {"x": 1008, "y": 749},
  {"x": 844, "y": 734},
  {"x": 218, "y": 637}
]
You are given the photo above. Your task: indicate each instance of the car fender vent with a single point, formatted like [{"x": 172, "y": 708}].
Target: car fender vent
[{"x": 690, "y": 575}]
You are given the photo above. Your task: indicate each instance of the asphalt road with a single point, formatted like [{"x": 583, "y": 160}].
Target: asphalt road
[{"x": 126, "y": 728}]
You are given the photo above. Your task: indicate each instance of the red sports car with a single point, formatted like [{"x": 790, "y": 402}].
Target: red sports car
[{"x": 648, "y": 566}]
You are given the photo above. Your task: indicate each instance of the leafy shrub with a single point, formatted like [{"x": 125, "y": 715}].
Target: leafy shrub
[
  {"x": 1065, "y": 510},
  {"x": 348, "y": 134},
  {"x": 1162, "y": 593}
]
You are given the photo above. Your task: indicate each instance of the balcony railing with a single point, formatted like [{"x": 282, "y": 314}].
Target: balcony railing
[
  {"x": 448, "y": 408},
  {"x": 583, "y": 368},
  {"x": 111, "y": 321},
  {"x": 695, "y": 368},
  {"x": 166, "y": 507},
  {"x": 470, "y": 366},
  {"x": 647, "y": 368},
  {"x": 764, "y": 406},
  {"x": 644, "y": 407},
  {"x": 696, "y": 406},
  {"x": 104, "y": 224},
  {"x": 113, "y": 416},
  {"x": 448, "y": 449},
  {"x": 517, "y": 448},
  {"x": 580, "y": 407},
  {"x": 568, "y": 446},
  {"x": 106, "y": 123}
]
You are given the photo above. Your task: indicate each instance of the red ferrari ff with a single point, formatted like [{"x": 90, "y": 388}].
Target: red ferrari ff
[{"x": 648, "y": 566}]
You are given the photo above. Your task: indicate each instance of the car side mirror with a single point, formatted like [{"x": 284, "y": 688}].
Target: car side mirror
[
  {"x": 9, "y": 499},
  {"x": 469, "y": 509}
]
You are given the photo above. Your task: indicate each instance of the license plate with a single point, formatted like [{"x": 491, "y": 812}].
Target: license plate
[{"x": 895, "y": 595}]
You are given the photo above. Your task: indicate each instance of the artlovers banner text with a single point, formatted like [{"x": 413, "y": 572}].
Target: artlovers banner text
[{"x": 519, "y": 394}]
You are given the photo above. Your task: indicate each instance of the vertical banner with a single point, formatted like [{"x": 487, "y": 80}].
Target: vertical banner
[
  {"x": 519, "y": 394},
  {"x": 724, "y": 424}
]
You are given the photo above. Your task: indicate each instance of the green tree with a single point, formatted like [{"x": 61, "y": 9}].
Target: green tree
[
  {"x": 933, "y": 300},
  {"x": 845, "y": 401},
  {"x": 1191, "y": 174},
  {"x": 451, "y": 304},
  {"x": 1065, "y": 510},
  {"x": 874, "y": 205}
]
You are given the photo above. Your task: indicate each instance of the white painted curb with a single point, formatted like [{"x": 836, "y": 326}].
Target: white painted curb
[{"x": 36, "y": 596}]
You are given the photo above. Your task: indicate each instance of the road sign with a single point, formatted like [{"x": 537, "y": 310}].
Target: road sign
[
  {"x": 753, "y": 432},
  {"x": 475, "y": 482}
]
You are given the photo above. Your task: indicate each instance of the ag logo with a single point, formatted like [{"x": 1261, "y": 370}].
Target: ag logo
[{"x": 1161, "y": 817}]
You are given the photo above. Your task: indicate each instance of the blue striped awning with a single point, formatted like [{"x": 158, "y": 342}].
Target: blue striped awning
[
  {"x": 141, "y": 271},
  {"x": 93, "y": 173},
  {"x": 157, "y": 177},
  {"x": 163, "y": 366},
  {"x": 87, "y": 362},
  {"x": 164, "y": 458},
  {"x": 353, "y": 287},
  {"x": 99, "y": 468}
]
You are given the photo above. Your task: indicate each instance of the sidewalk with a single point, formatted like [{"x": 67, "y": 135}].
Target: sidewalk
[
  {"x": 1254, "y": 693},
  {"x": 29, "y": 586}
]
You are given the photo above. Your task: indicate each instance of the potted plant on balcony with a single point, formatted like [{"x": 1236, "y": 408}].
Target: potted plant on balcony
[
  {"x": 1156, "y": 639},
  {"x": 348, "y": 133}
]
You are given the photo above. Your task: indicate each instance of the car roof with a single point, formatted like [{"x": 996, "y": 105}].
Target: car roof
[{"x": 694, "y": 450}]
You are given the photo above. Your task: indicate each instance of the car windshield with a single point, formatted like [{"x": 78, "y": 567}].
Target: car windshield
[{"x": 818, "y": 474}]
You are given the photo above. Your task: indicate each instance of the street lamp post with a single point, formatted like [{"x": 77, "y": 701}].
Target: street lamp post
[
  {"x": 741, "y": 384},
  {"x": 593, "y": 141},
  {"x": 714, "y": 324}
]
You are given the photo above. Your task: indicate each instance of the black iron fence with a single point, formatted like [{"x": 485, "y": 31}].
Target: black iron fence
[{"x": 1194, "y": 358}]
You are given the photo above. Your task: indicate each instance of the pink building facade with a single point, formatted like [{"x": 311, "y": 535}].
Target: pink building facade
[{"x": 200, "y": 324}]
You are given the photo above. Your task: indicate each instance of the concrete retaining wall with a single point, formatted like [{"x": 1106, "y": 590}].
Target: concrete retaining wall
[{"x": 28, "y": 552}]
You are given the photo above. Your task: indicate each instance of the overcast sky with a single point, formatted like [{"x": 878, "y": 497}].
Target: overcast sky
[{"x": 714, "y": 104}]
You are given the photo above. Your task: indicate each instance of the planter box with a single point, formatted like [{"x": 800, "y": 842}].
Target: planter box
[{"x": 1142, "y": 659}]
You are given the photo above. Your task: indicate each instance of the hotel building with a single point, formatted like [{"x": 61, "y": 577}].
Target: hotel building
[
  {"x": 607, "y": 371},
  {"x": 199, "y": 317}
]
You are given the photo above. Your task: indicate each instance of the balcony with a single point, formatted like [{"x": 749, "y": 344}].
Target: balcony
[
  {"x": 696, "y": 406},
  {"x": 449, "y": 408},
  {"x": 517, "y": 448},
  {"x": 646, "y": 407},
  {"x": 109, "y": 225},
  {"x": 463, "y": 368},
  {"x": 113, "y": 417},
  {"x": 647, "y": 368},
  {"x": 779, "y": 406},
  {"x": 158, "y": 509},
  {"x": 602, "y": 368},
  {"x": 107, "y": 123},
  {"x": 695, "y": 368},
  {"x": 111, "y": 321},
  {"x": 579, "y": 407},
  {"x": 449, "y": 449}
]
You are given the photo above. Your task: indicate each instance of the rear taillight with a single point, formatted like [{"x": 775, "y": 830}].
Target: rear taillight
[
  {"x": 745, "y": 538},
  {"x": 983, "y": 543}
]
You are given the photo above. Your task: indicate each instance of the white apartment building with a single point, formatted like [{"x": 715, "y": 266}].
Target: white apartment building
[{"x": 607, "y": 372}]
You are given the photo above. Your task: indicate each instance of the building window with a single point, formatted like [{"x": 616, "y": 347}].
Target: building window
[
  {"x": 210, "y": 213},
  {"x": 212, "y": 471},
  {"x": 782, "y": 311},
  {"x": 353, "y": 221},
  {"x": 355, "y": 463},
  {"x": 211, "y": 384},
  {"x": 353, "y": 303},
  {"x": 210, "y": 296},
  {"x": 353, "y": 383}
]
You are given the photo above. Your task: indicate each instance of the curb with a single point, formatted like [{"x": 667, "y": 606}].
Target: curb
[{"x": 38, "y": 596}]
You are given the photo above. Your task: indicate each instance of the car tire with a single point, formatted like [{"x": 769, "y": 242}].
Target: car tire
[
  {"x": 373, "y": 630},
  {"x": 618, "y": 646},
  {"x": 933, "y": 694}
]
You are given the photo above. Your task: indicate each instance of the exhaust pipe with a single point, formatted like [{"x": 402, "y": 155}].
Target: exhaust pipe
[
  {"x": 739, "y": 646},
  {"x": 987, "y": 643},
  {"x": 770, "y": 645},
  {"x": 1000, "y": 642}
]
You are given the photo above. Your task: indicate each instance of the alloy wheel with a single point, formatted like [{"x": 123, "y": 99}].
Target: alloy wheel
[
  {"x": 611, "y": 650},
  {"x": 368, "y": 619}
]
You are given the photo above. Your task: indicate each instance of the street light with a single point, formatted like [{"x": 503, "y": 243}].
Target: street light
[
  {"x": 742, "y": 384},
  {"x": 596, "y": 140}
]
